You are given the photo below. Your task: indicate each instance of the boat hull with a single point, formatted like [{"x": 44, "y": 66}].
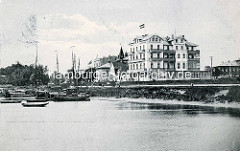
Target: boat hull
[
  {"x": 10, "y": 101},
  {"x": 38, "y": 104}
]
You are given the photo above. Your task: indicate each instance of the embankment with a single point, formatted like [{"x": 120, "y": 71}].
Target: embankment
[{"x": 203, "y": 94}]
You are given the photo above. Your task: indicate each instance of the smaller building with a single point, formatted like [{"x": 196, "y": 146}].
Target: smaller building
[
  {"x": 228, "y": 69},
  {"x": 97, "y": 62},
  {"x": 111, "y": 71}
]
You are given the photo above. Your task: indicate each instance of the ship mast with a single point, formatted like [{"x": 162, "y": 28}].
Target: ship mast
[
  {"x": 73, "y": 64},
  {"x": 57, "y": 63}
]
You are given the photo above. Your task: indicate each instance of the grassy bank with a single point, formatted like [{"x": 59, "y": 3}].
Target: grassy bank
[{"x": 206, "y": 94}]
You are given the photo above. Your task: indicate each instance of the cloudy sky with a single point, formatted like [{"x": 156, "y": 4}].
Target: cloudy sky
[{"x": 97, "y": 27}]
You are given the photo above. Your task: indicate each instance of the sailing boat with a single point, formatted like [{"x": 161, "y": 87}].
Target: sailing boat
[{"x": 72, "y": 93}]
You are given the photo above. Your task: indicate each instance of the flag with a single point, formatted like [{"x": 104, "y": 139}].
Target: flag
[
  {"x": 142, "y": 26},
  {"x": 90, "y": 62}
]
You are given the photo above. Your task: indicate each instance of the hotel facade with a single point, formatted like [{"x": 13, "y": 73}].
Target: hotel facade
[{"x": 165, "y": 55}]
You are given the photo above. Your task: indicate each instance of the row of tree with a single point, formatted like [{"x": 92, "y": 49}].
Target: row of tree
[{"x": 21, "y": 75}]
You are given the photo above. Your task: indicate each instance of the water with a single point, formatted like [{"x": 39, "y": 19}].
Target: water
[{"x": 118, "y": 125}]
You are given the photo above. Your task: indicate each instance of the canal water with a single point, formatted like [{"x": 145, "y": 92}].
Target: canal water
[{"x": 110, "y": 125}]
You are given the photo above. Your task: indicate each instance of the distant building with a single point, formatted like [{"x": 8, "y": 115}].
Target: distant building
[
  {"x": 229, "y": 68},
  {"x": 97, "y": 62},
  {"x": 111, "y": 70},
  {"x": 152, "y": 53}
]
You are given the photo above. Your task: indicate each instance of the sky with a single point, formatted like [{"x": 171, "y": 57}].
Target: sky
[{"x": 99, "y": 28}]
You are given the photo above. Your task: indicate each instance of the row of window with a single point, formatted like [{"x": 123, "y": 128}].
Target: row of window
[
  {"x": 136, "y": 57},
  {"x": 137, "y": 66},
  {"x": 178, "y": 40},
  {"x": 133, "y": 49},
  {"x": 165, "y": 65},
  {"x": 183, "y": 56},
  {"x": 229, "y": 69},
  {"x": 159, "y": 55},
  {"x": 155, "y": 39},
  {"x": 136, "y": 48},
  {"x": 183, "y": 65}
]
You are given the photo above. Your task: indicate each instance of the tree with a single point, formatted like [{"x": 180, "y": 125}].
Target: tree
[{"x": 20, "y": 75}]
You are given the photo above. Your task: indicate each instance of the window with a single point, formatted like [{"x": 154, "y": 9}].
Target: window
[
  {"x": 158, "y": 65},
  {"x": 143, "y": 47},
  {"x": 136, "y": 48},
  {"x": 158, "y": 47},
  {"x": 140, "y": 56},
  {"x": 151, "y": 55},
  {"x": 184, "y": 56},
  {"x": 176, "y": 41},
  {"x": 151, "y": 65},
  {"x": 158, "y": 55},
  {"x": 140, "y": 66},
  {"x": 133, "y": 50},
  {"x": 181, "y": 40},
  {"x": 143, "y": 56},
  {"x": 152, "y": 39},
  {"x": 140, "y": 47},
  {"x": 182, "y": 47},
  {"x": 183, "y": 65},
  {"x": 136, "y": 56},
  {"x": 130, "y": 49},
  {"x": 143, "y": 65},
  {"x": 178, "y": 55},
  {"x": 136, "y": 66},
  {"x": 151, "y": 46},
  {"x": 176, "y": 47},
  {"x": 178, "y": 65}
]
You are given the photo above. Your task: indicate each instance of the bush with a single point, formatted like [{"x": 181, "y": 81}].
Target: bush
[{"x": 234, "y": 94}]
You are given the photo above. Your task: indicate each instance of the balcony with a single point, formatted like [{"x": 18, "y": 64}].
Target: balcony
[
  {"x": 194, "y": 59},
  {"x": 169, "y": 59},
  {"x": 156, "y": 50},
  {"x": 137, "y": 60},
  {"x": 193, "y": 51}
]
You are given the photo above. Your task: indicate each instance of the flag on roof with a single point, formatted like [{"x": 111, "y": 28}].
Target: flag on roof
[
  {"x": 90, "y": 62},
  {"x": 142, "y": 26}
]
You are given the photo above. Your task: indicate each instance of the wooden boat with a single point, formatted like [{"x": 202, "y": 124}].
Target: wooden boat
[
  {"x": 10, "y": 101},
  {"x": 34, "y": 104}
]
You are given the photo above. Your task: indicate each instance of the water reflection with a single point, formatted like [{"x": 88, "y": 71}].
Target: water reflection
[
  {"x": 179, "y": 108},
  {"x": 118, "y": 125}
]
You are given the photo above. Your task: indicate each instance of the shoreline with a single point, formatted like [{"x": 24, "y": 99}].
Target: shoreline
[{"x": 234, "y": 105}]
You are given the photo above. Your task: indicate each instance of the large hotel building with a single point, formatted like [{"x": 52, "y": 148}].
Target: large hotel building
[{"x": 152, "y": 53}]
